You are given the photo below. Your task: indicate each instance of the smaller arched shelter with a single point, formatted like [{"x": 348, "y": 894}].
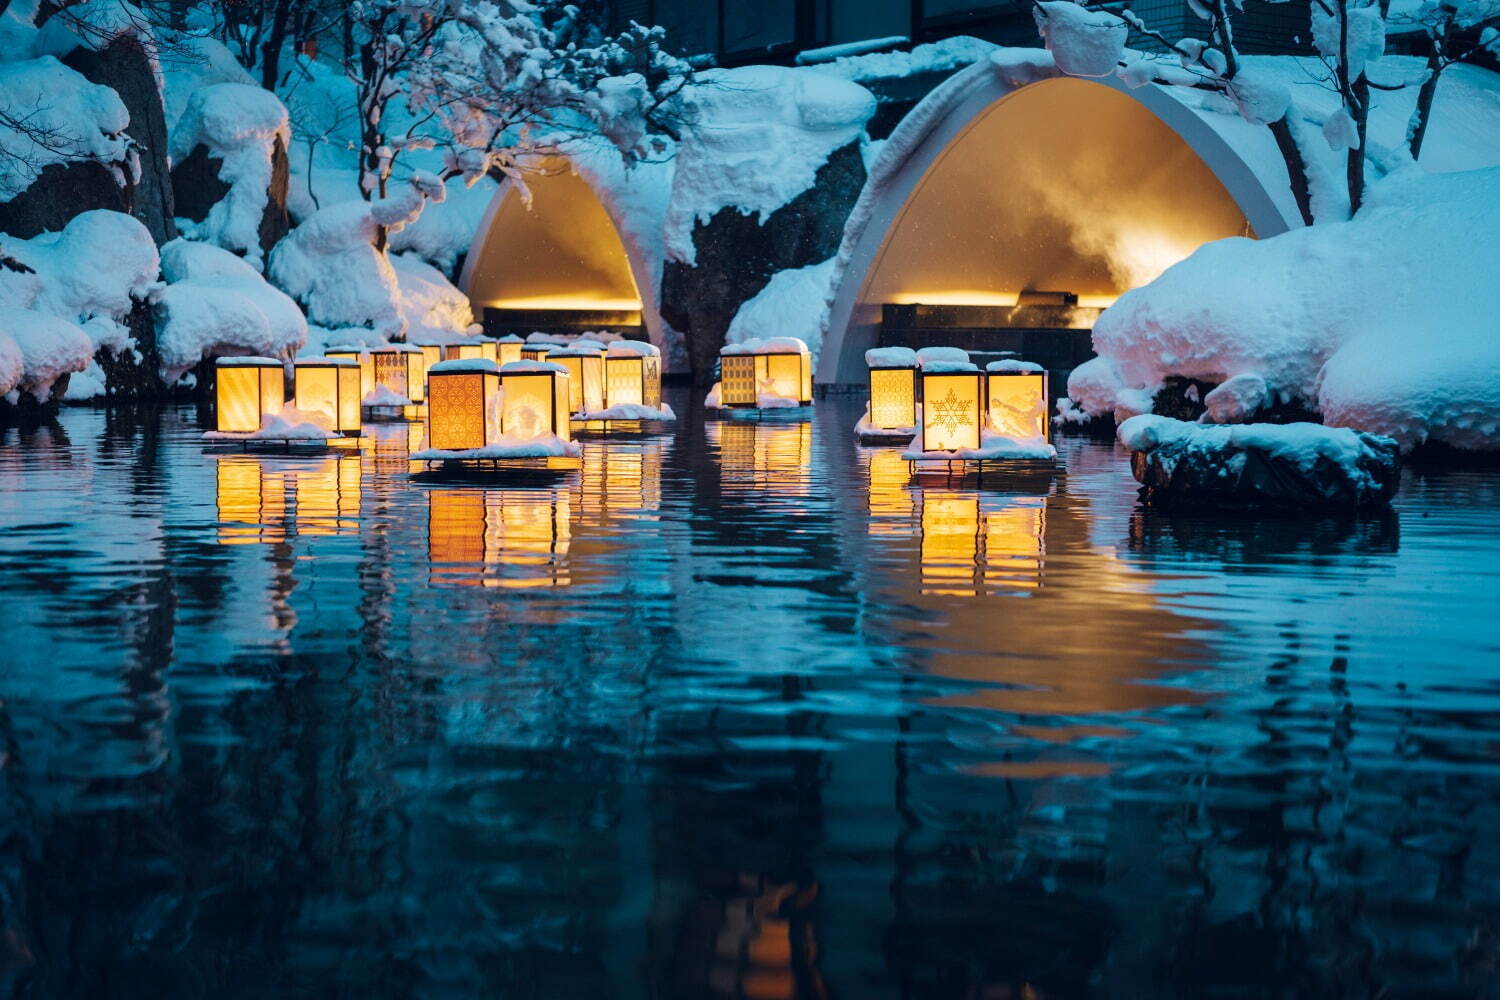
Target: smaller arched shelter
[
  {"x": 578, "y": 248},
  {"x": 1018, "y": 202}
]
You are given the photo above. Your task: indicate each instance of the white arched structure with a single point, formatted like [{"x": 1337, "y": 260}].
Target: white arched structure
[
  {"x": 1011, "y": 177},
  {"x": 585, "y": 243}
]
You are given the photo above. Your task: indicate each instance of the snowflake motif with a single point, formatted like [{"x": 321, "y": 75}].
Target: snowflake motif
[{"x": 951, "y": 412}]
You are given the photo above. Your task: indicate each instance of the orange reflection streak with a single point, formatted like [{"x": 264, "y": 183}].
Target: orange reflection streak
[
  {"x": 499, "y": 538},
  {"x": 768, "y": 456},
  {"x": 254, "y": 497}
]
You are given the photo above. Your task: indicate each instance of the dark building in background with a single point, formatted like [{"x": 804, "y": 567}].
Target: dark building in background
[{"x": 745, "y": 31}]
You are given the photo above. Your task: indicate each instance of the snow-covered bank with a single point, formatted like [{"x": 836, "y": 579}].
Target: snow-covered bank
[{"x": 1384, "y": 323}]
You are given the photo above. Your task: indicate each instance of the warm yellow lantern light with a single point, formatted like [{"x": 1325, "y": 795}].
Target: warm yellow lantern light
[
  {"x": 584, "y": 361},
  {"x": 893, "y": 388},
  {"x": 534, "y": 400},
  {"x": 1017, "y": 404},
  {"x": 508, "y": 349},
  {"x": 478, "y": 349},
  {"x": 247, "y": 390},
  {"x": 779, "y": 368},
  {"x": 329, "y": 386},
  {"x": 462, "y": 404},
  {"x": 400, "y": 370},
  {"x": 353, "y": 352},
  {"x": 950, "y": 542},
  {"x": 251, "y": 504},
  {"x": 431, "y": 353},
  {"x": 952, "y": 406},
  {"x": 737, "y": 380},
  {"x": 632, "y": 370},
  {"x": 536, "y": 351}
]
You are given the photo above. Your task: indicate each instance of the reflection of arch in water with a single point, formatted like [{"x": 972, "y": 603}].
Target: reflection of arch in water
[
  {"x": 1003, "y": 182},
  {"x": 565, "y": 261}
]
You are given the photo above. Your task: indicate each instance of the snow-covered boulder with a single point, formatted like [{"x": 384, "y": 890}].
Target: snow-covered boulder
[
  {"x": 1384, "y": 323},
  {"x": 431, "y": 305},
  {"x": 230, "y": 174},
  {"x": 1260, "y": 465},
  {"x": 217, "y": 305},
  {"x": 794, "y": 303}
]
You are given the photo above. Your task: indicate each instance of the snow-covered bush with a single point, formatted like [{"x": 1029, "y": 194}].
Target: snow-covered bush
[
  {"x": 429, "y": 302},
  {"x": 239, "y": 125},
  {"x": 1384, "y": 323}
]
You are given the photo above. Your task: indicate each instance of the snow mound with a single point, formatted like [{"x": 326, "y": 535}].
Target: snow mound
[
  {"x": 46, "y": 348},
  {"x": 753, "y": 139},
  {"x": 631, "y": 411},
  {"x": 1083, "y": 42},
  {"x": 1381, "y": 323},
  {"x": 197, "y": 62},
  {"x": 224, "y": 315},
  {"x": 766, "y": 345},
  {"x": 289, "y": 424},
  {"x": 240, "y": 125},
  {"x": 550, "y": 446},
  {"x": 69, "y": 119},
  {"x": 429, "y": 302},
  {"x": 992, "y": 448},
  {"x": 794, "y": 303}
]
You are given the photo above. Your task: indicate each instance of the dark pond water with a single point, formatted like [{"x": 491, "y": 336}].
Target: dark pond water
[{"x": 732, "y": 713}]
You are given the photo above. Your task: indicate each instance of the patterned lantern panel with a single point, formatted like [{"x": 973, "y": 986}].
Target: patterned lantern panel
[
  {"x": 893, "y": 398},
  {"x": 248, "y": 393},
  {"x": 461, "y": 408},
  {"x": 634, "y": 380},
  {"x": 952, "y": 412},
  {"x": 1018, "y": 404},
  {"x": 737, "y": 385},
  {"x": 391, "y": 371},
  {"x": 330, "y": 388}
]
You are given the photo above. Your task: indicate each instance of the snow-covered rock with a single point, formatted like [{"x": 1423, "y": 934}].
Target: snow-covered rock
[
  {"x": 429, "y": 302},
  {"x": 794, "y": 303},
  {"x": 1383, "y": 323},
  {"x": 69, "y": 119},
  {"x": 238, "y": 125},
  {"x": 754, "y": 138},
  {"x": 1276, "y": 465}
]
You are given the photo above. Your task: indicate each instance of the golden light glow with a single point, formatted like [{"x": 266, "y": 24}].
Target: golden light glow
[
  {"x": 245, "y": 394},
  {"x": 621, "y": 479},
  {"x": 331, "y": 389},
  {"x": 508, "y": 350},
  {"x": 499, "y": 538},
  {"x": 1018, "y": 403},
  {"x": 764, "y": 455},
  {"x": 744, "y": 378},
  {"x": 401, "y": 370},
  {"x": 360, "y": 356},
  {"x": 472, "y": 350},
  {"x": 431, "y": 355},
  {"x": 251, "y": 505},
  {"x": 560, "y": 252},
  {"x": 973, "y": 544},
  {"x": 633, "y": 381},
  {"x": 534, "y": 404},
  {"x": 254, "y": 498},
  {"x": 461, "y": 409},
  {"x": 984, "y": 223},
  {"x": 585, "y": 380},
  {"x": 737, "y": 380},
  {"x": 893, "y": 398},
  {"x": 952, "y": 412},
  {"x": 328, "y": 497},
  {"x": 891, "y": 503},
  {"x": 536, "y": 352}
]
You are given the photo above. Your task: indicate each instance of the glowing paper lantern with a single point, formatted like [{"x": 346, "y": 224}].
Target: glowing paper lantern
[
  {"x": 431, "y": 353},
  {"x": 779, "y": 367},
  {"x": 354, "y": 352},
  {"x": 478, "y": 349},
  {"x": 329, "y": 386},
  {"x": 584, "y": 361},
  {"x": 536, "y": 352},
  {"x": 247, "y": 390},
  {"x": 952, "y": 405},
  {"x": 463, "y": 404},
  {"x": 534, "y": 401},
  {"x": 508, "y": 349},
  {"x": 1017, "y": 404},
  {"x": 632, "y": 370},
  {"x": 893, "y": 387},
  {"x": 399, "y": 369}
]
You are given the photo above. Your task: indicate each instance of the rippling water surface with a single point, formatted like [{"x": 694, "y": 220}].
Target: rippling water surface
[{"x": 732, "y": 712}]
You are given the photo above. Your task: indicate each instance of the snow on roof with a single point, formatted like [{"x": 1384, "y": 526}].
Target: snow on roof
[
  {"x": 632, "y": 349},
  {"x": 769, "y": 345},
  {"x": 510, "y": 338},
  {"x": 248, "y": 361},
  {"x": 463, "y": 365},
  {"x": 531, "y": 368},
  {"x": 891, "y": 357},
  {"x": 948, "y": 367},
  {"x": 1008, "y": 366},
  {"x": 945, "y": 54},
  {"x": 753, "y": 138},
  {"x": 396, "y": 349},
  {"x": 582, "y": 347}
]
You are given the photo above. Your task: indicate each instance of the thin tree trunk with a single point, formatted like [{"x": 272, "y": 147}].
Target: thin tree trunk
[
  {"x": 270, "y": 52},
  {"x": 1296, "y": 168},
  {"x": 1360, "y": 90},
  {"x": 1422, "y": 114}
]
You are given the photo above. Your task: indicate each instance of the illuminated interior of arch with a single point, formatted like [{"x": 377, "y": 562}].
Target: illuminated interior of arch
[
  {"x": 560, "y": 252},
  {"x": 1062, "y": 186}
]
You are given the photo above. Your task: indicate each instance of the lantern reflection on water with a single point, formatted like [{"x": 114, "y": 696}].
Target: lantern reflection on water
[
  {"x": 329, "y": 386},
  {"x": 584, "y": 361},
  {"x": 463, "y": 405},
  {"x": 499, "y": 538},
  {"x": 976, "y": 543},
  {"x": 400, "y": 368},
  {"x": 254, "y": 498},
  {"x": 764, "y": 454},
  {"x": 1017, "y": 399},
  {"x": 952, "y": 406},
  {"x": 633, "y": 374},
  {"x": 246, "y": 391},
  {"x": 353, "y": 352},
  {"x": 622, "y": 478},
  {"x": 891, "y": 500}
]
